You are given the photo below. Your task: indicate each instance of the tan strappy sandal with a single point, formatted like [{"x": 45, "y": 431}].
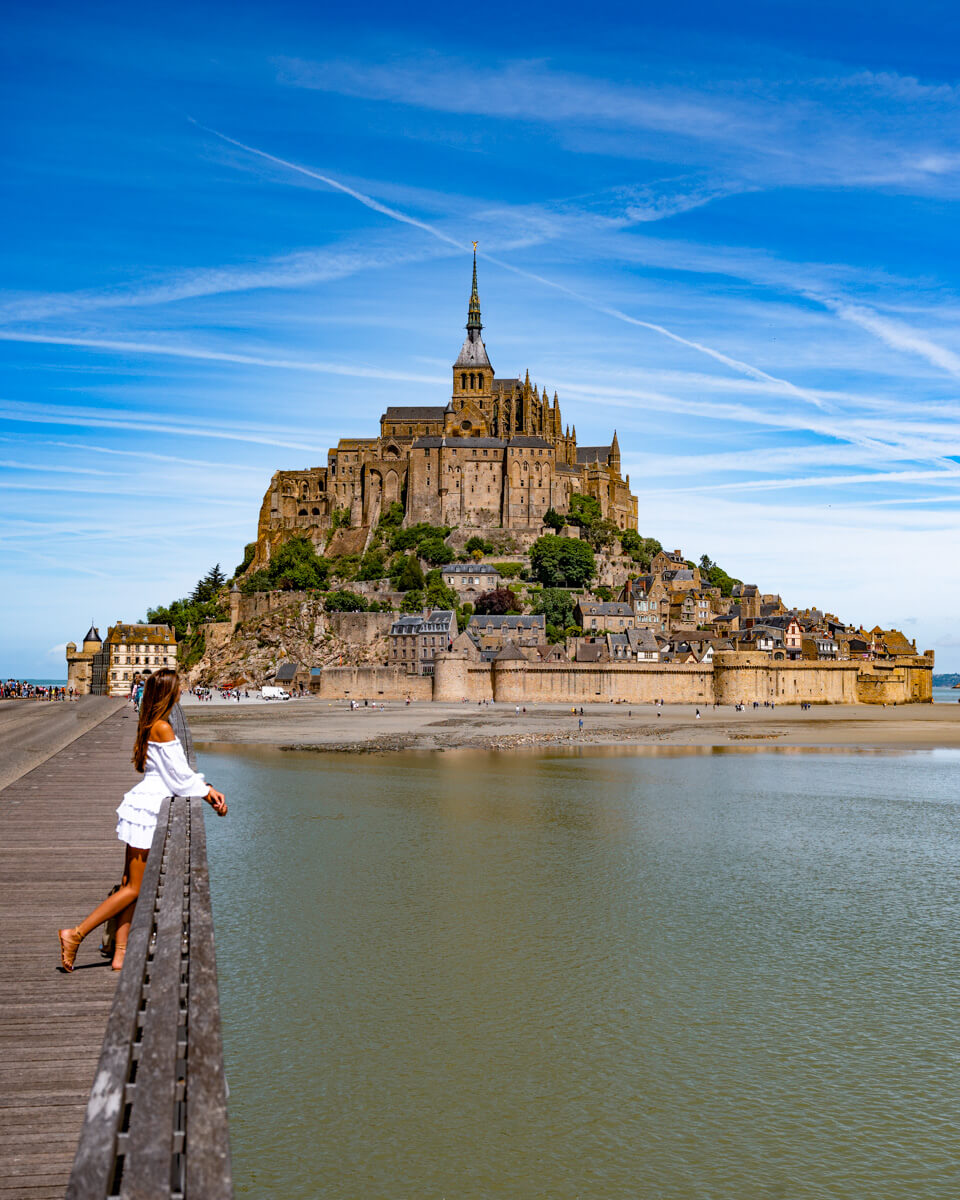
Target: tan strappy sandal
[
  {"x": 70, "y": 940},
  {"x": 119, "y": 951}
]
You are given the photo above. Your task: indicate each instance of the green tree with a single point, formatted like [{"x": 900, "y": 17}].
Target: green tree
[
  {"x": 556, "y": 605},
  {"x": 344, "y": 601},
  {"x": 208, "y": 586},
  {"x": 339, "y": 519},
  {"x": 410, "y": 576},
  {"x": 435, "y": 551},
  {"x": 641, "y": 550},
  {"x": 553, "y": 520},
  {"x": 412, "y": 602},
  {"x": 372, "y": 565},
  {"x": 717, "y": 577},
  {"x": 562, "y": 562},
  {"x": 478, "y": 543},
  {"x": 584, "y": 510},
  {"x": 601, "y": 534},
  {"x": 296, "y": 566},
  {"x": 437, "y": 594}
]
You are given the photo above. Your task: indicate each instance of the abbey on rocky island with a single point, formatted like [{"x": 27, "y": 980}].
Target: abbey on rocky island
[{"x": 496, "y": 457}]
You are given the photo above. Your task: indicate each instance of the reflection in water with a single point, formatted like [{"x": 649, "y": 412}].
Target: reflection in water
[{"x": 589, "y": 975}]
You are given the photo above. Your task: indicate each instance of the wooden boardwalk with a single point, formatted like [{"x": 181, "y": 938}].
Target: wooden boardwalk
[{"x": 59, "y": 855}]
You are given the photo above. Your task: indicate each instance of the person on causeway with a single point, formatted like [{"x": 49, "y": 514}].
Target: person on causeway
[{"x": 158, "y": 753}]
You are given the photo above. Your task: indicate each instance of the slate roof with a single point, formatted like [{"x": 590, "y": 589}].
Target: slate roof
[
  {"x": 92, "y": 635},
  {"x": 286, "y": 672},
  {"x": 468, "y": 569},
  {"x": 509, "y": 621},
  {"x": 472, "y": 353},
  {"x": 511, "y": 652},
  {"x": 437, "y": 622},
  {"x": 605, "y": 608},
  {"x": 427, "y": 412},
  {"x": 527, "y": 443},
  {"x": 589, "y": 454}
]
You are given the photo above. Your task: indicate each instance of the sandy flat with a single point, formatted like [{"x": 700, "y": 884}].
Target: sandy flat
[{"x": 331, "y": 726}]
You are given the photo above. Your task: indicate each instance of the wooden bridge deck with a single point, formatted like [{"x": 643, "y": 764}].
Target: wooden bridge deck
[{"x": 59, "y": 855}]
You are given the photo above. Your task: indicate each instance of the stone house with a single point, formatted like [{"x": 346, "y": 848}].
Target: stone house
[
  {"x": 604, "y": 616},
  {"x": 470, "y": 580},
  {"x": 651, "y": 602},
  {"x": 792, "y": 632},
  {"x": 128, "y": 651},
  {"x": 415, "y": 640},
  {"x": 491, "y": 633}
]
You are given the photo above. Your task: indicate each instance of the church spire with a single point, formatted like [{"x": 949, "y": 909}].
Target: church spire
[{"x": 474, "y": 324}]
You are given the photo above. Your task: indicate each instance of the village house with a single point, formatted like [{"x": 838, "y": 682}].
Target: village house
[
  {"x": 130, "y": 651},
  {"x": 604, "y": 616},
  {"x": 470, "y": 580},
  {"x": 415, "y": 640},
  {"x": 491, "y": 633},
  {"x": 792, "y": 633}
]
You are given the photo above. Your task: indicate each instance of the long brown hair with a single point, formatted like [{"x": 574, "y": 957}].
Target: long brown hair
[{"x": 159, "y": 696}]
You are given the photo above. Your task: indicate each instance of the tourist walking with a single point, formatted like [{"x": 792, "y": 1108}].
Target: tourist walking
[{"x": 158, "y": 753}]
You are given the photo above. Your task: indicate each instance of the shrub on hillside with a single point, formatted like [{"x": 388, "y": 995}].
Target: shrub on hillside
[{"x": 562, "y": 562}]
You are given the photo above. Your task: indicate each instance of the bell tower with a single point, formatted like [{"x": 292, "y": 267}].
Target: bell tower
[{"x": 472, "y": 372}]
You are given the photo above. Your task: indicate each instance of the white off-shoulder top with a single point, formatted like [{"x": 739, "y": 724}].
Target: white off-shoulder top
[{"x": 167, "y": 773}]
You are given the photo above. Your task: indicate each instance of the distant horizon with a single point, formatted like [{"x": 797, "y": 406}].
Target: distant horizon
[{"x": 238, "y": 234}]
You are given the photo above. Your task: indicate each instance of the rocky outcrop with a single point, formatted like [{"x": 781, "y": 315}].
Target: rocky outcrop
[{"x": 293, "y": 628}]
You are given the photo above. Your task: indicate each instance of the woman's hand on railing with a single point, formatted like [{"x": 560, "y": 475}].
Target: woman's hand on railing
[{"x": 217, "y": 802}]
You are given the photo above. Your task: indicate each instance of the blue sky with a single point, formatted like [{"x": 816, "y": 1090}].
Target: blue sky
[{"x": 234, "y": 233}]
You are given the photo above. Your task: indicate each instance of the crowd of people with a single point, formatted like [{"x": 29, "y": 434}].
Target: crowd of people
[{"x": 20, "y": 689}]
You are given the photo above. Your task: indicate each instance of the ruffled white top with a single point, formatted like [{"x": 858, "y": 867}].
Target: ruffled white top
[{"x": 167, "y": 773}]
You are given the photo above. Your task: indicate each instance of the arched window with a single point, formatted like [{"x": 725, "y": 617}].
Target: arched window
[
  {"x": 315, "y": 511},
  {"x": 463, "y": 381},
  {"x": 302, "y": 512},
  {"x": 480, "y": 380},
  {"x": 472, "y": 379}
]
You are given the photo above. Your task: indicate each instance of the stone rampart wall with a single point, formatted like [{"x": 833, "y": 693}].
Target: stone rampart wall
[
  {"x": 742, "y": 678},
  {"x": 370, "y": 683},
  {"x": 732, "y": 679}
]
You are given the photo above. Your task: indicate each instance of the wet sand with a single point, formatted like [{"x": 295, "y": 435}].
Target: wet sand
[{"x": 320, "y": 725}]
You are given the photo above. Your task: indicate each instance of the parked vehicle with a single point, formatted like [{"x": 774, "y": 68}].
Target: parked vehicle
[{"x": 274, "y": 693}]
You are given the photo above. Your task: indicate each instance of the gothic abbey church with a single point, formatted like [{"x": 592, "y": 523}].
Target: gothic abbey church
[{"x": 496, "y": 457}]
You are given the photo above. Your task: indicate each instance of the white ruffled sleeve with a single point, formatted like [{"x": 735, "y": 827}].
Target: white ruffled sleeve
[{"x": 174, "y": 771}]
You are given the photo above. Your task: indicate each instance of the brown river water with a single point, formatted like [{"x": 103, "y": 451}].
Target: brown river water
[{"x": 594, "y": 975}]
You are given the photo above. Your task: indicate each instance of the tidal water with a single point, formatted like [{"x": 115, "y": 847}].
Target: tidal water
[{"x": 599, "y": 975}]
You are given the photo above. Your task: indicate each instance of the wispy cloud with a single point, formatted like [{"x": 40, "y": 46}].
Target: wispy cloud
[
  {"x": 202, "y": 354},
  {"x": 769, "y": 130}
]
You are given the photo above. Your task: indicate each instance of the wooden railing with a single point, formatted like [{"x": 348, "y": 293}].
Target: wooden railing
[{"x": 156, "y": 1121}]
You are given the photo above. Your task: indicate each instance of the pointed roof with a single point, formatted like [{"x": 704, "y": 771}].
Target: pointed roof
[
  {"x": 511, "y": 652},
  {"x": 92, "y": 635},
  {"x": 473, "y": 353}
]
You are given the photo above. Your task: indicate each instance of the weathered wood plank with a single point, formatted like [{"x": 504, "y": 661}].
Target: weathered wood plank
[
  {"x": 59, "y": 855},
  {"x": 146, "y": 1174},
  {"x": 208, "y": 1173},
  {"x": 93, "y": 1166}
]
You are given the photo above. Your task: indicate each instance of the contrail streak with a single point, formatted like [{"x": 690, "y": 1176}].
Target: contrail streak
[{"x": 395, "y": 214}]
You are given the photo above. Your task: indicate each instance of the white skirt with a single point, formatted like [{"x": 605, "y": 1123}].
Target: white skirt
[{"x": 137, "y": 817}]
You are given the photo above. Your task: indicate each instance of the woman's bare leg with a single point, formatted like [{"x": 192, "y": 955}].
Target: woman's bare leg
[{"x": 125, "y": 897}]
